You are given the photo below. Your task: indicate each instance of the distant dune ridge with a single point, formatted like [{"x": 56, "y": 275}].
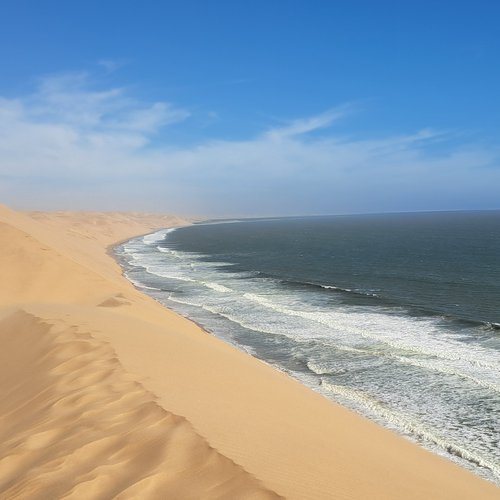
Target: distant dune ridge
[{"x": 107, "y": 394}]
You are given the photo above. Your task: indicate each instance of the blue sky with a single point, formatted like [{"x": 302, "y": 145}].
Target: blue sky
[{"x": 250, "y": 108}]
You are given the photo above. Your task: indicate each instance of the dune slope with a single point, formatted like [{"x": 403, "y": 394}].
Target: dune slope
[{"x": 75, "y": 425}]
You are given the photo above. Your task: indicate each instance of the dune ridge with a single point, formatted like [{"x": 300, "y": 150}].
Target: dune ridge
[
  {"x": 78, "y": 426},
  {"x": 107, "y": 394}
]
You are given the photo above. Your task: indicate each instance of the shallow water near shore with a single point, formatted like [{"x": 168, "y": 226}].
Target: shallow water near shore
[{"x": 395, "y": 316}]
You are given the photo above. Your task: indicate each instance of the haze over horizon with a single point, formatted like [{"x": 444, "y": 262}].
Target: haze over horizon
[{"x": 273, "y": 108}]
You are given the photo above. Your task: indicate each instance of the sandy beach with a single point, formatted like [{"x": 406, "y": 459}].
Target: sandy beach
[{"x": 107, "y": 394}]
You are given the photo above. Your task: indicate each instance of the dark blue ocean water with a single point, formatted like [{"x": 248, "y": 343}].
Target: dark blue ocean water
[{"x": 396, "y": 316}]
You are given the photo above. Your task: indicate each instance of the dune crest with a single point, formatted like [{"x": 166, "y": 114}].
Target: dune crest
[{"x": 77, "y": 426}]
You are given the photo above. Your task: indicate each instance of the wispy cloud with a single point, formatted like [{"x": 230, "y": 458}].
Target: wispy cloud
[
  {"x": 71, "y": 143},
  {"x": 70, "y": 99},
  {"x": 67, "y": 128},
  {"x": 310, "y": 124}
]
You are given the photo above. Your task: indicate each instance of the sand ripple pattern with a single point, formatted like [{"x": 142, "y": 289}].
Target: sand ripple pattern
[{"x": 76, "y": 425}]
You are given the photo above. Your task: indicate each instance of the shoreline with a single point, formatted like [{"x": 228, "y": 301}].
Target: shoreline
[
  {"x": 269, "y": 435},
  {"x": 430, "y": 443}
]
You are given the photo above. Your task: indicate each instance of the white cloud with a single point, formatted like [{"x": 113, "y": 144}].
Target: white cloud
[
  {"x": 306, "y": 125},
  {"x": 66, "y": 128},
  {"x": 70, "y": 144}
]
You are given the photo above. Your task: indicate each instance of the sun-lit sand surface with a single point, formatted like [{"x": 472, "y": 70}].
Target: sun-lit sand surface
[{"x": 107, "y": 394}]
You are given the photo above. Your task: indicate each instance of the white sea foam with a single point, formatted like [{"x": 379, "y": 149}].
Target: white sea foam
[
  {"x": 154, "y": 271},
  {"x": 322, "y": 369},
  {"x": 395, "y": 331},
  {"x": 332, "y": 287},
  {"x": 165, "y": 250},
  {"x": 141, "y": 285},
  {"x": 152, "y": 238},
  {"x": 216, "y": 286},
  {"x": 410, "y": 425},
  {"x": 160, "y": 272},
  {"x": 438, "y": 366},
  {"x": 225, "y": 312},
  {"x": 128, "y": 249},
  {"x": 173, "y": 253}
]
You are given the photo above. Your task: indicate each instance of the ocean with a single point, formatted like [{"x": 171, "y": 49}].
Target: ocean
[{"x": 396, "y": 316}]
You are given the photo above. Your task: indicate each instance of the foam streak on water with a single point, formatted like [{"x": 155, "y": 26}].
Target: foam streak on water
[{"x": 431, "y": 377}]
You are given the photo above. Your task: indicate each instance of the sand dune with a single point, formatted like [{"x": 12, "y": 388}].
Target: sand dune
[
  {"x": 106, "y": 394},
  {"x": 77, "y": 426}
]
